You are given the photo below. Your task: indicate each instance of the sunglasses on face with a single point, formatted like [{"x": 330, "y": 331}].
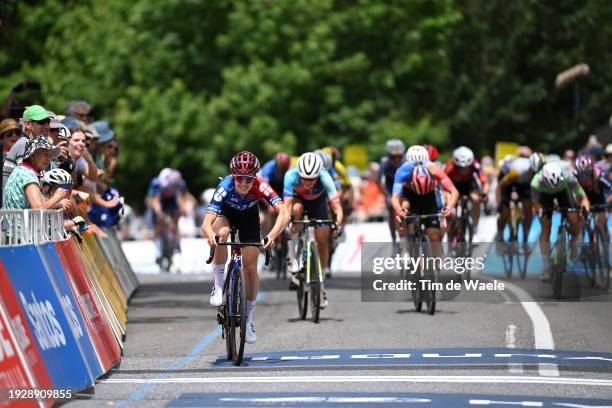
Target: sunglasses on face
[
  {"x": 244, "y": 179},
  {"x": 65, "y": 186},
  {"x": 11, "y": 133},
  {"x": 307, "y": 181}
]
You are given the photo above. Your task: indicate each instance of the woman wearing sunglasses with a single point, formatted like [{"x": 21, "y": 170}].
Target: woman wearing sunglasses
[
  {"x": 9, "y": 133},
  {"x": 234, "y": 204}
]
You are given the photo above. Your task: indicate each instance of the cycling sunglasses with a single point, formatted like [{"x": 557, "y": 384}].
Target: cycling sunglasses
[
  {"x": 244, "y": 179},
  {"x": 65, "y": 186}
]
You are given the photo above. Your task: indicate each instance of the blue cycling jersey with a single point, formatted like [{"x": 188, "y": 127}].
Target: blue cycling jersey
[
  {"x": 403, "y": 176},
  {"x": 226, "y": 195},
  {"x": 388, "y": 170},
  {"x": 324, "y": 184}
]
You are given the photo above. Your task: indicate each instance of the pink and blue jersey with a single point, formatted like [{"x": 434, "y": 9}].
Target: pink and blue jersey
[
  {"x": 226, "y": 195},
  {"x": 324, "y": 184}
]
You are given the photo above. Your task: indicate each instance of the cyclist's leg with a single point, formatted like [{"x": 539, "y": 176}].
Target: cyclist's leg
[
  {"x": 524, "y": 192},
  {"x": 503, "y": 209},
  {"x": 544, "y": 240},
  {"x": 319, "y": 209},
  {"x": 475, "y": 198},
  {"x": 296, "y": 213},
  {"x": 322, "y": 238},
  {"x": 391, "y": 220},
  {"x": 221, "y": 227},
  {"x": 249, "y": 230}
]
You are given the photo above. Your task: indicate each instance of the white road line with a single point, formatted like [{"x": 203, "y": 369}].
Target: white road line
[
  {"x": 541, "y": 327},
  {"x": 462, "y": 379},
  {"x": 514, "y": 368}
]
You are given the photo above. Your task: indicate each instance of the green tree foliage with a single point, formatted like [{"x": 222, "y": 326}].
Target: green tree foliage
[{"x": 187, "y": 83}]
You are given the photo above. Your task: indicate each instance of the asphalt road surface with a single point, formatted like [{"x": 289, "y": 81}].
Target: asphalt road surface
[{"x": 514, "y": 347}]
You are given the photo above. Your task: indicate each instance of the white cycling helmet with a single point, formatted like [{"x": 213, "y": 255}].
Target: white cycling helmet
[
  {"x": 325, "y": 158},
  {"x": 552, "y": 175},
  {"x": 537, "y": 161},
  {"x": 417, "y": 153},
  {"x": 309, "y": 165},
  {"x": 395, "y": 147},
  {"x": 463, "y": 156},
  {"x": 55, "y": 177}
]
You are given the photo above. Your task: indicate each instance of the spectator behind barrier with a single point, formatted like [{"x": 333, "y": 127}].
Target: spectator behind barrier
[
  {"x": 9, "y": 133},
  {"x": 110, "y": 159},
  {"x": 35, "y": 123},
  {"x": 23, "y": 190},
  {"x": 80, "y": 110}
]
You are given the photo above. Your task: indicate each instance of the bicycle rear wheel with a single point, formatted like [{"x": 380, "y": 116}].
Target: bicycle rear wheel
[
  {"x": 237, "y": 316},
  {"x": 315, "y": 285}
]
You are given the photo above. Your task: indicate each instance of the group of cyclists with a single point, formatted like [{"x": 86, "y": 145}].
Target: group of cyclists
[{"x": 414, "y": 181}]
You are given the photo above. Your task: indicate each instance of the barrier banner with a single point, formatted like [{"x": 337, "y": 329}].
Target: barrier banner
[
  {"x": 21, "y": 329},
  {"x": 118, "y": 251},
  {"x": 97, "y": 325},
  {"x": 106, "y": 268},
  {"x": 55, "y": 270},
  {"x": 107, "y": 290},
  {"x": 13, "y": 374},
  {"x": 46, "y": 318},
  {"x": 118, "y": 268}
]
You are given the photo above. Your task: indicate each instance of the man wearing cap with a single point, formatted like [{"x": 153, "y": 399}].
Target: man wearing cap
[
  {"x": 35, "y": 123},
  {"x": 23, "y": 187}
]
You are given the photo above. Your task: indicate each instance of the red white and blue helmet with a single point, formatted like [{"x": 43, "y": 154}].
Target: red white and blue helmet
[
  {"x": 422, "y": 181},
  {"x": 244, "y": 163}
]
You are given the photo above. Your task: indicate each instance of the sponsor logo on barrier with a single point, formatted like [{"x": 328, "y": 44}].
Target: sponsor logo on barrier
[
  {"x": 47, "y": 328},
  {"x": 72, "y": 317},
  {"x": 6, "y": 348},
  {"x": 20, "y": 332}
]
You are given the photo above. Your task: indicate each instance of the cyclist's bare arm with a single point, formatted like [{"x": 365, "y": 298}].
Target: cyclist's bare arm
[
  {"x": 395, "y": 202},
  {"x": 337, "y": 208},
  {"x": 282, "y": 220},
  {"x": 155, "y": 205},
  {"x": 207, "y": 227}
]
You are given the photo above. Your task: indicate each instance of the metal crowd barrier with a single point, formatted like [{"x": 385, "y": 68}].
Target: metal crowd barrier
[{"x": 20, "y": 227}]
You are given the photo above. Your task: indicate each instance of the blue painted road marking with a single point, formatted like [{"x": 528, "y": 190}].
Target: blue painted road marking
[
  {"x": 377, "y": 399},
  {"x": 416, "y": 357}
]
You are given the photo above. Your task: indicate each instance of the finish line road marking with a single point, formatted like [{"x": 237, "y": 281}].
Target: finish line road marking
[{"x": 369, "y": 379}]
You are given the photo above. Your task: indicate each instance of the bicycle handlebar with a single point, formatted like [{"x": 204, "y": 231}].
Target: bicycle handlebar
[
  {"x": 314, "y": 222},
  {"x": 422, "y": 216},
  {"x": 240, "y": 245}
]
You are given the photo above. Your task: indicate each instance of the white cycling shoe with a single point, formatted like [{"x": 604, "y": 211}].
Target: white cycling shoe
[
  {"x": 293, "y": 265},
  {"x": 251, "y": 337},
  {"x": 216, "y": 297},
  {"x": 324, "y": 302}
]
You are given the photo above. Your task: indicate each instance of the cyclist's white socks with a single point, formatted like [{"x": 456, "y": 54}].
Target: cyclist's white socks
[
  {"x": 293, "y": 239},
  {"x": 250, "y": 309},
  {"x": 158, "y": 248},
  {"x": 219, "y": 271}
]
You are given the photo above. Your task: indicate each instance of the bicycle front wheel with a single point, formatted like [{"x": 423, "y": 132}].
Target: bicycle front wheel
[
  {"x": 559, "y": 265},
  {"x": 237, "y": 316},
  {"x": 302, "y": 297},
  {"x": 315, "y": 284},
  {"x": 603, "y": 259}
]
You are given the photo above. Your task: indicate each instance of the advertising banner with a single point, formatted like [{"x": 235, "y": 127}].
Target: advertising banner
[
  {"x": 21, "y": 329},
  {"x": 13, "y": 374},
  {"x": 58, "y": 278},
  {"x": 46, "y": 318},
  {"x": 97, "y": 324}
]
